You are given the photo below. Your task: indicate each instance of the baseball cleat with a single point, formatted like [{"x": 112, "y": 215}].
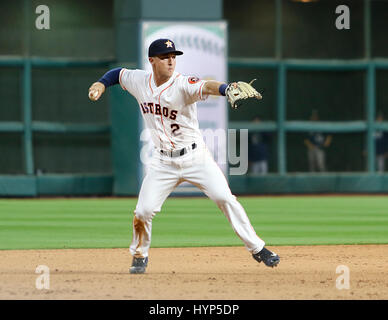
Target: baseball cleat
[
  {"x": 139, "y": 265},
  {"x": 270, "y": 259}
]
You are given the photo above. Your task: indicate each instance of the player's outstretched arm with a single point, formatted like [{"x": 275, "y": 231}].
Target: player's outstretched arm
[
  {"x": 215, "y": 88},
  {"x": 108, "y": 79}
]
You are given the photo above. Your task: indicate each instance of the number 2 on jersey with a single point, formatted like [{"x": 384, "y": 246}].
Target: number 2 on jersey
[{"x": 174, "y": 128}]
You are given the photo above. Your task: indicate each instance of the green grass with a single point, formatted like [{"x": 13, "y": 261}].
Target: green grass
[{"x": 185, "y": 222}]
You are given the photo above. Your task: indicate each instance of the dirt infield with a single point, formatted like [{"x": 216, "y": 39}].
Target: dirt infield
[{"x": 305, "y": 272}]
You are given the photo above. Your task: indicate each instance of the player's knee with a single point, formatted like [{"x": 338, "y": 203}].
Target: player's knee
[
  {"x": 224, "y": 199},
  {"x": 144, "y": 213}
]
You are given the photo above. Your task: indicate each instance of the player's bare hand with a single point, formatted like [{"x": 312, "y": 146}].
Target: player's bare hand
[{"x": 96, "y": 90}]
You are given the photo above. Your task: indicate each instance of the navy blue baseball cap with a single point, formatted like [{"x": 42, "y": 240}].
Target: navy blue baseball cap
[{"x": 162, "y": 46}]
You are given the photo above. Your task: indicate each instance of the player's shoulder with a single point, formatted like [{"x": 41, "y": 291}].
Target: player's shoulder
[
  {"x": 136, "y": 72},
  {"x": 134, "y": 76},
  {"x": 133, "y": 79}
]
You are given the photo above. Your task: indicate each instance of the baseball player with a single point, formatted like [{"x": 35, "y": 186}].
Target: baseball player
[{"x": 167, "y": 102}]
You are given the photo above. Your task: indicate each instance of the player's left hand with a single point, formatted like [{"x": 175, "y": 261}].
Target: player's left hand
[
  {"x": 237, "y": 92},
  {"x": 96, "y": 90}
]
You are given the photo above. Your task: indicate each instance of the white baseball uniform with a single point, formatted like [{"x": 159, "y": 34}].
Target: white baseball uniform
[{"x": 170, "y": 113}]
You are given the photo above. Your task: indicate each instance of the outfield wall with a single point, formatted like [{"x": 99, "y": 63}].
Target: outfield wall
[
  {"x": 305, "y": 184},
  {"x": 56, "y": 185},
  {"x": 100, "y": 185}
]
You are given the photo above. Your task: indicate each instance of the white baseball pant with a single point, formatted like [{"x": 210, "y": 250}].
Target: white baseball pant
[{"x": 198, "y": 167}]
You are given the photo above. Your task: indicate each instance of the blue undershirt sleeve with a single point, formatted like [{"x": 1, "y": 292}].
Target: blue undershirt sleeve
[{"x": 111, "y": 77}]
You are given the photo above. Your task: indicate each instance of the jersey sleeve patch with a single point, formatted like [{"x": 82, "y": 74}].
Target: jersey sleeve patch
[{"x": 193, "y": 80}]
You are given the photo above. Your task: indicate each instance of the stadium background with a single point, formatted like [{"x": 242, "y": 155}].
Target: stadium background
[{"x": 53, "y": 141}]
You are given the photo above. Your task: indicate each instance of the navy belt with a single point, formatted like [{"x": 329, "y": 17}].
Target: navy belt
[{"x": 178, "y": 153}]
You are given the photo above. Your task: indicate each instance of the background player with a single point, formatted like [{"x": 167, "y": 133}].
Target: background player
[
  {"x": 167, "y": 100},
  {"x": 317, "y": 142}
]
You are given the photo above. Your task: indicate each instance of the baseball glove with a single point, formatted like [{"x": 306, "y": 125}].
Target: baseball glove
[{"x": 237, "y": 92}]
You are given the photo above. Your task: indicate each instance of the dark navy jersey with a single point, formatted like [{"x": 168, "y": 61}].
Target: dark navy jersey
[
  {"x": 381, "y": 142},
  {"x": 317, "y": 138}
]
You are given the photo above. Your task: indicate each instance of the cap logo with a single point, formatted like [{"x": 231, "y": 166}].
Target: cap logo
[{"x": 162, "y": 46}]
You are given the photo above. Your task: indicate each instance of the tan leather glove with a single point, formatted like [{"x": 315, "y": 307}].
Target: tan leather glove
[{"x": 237, "y": 92}]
